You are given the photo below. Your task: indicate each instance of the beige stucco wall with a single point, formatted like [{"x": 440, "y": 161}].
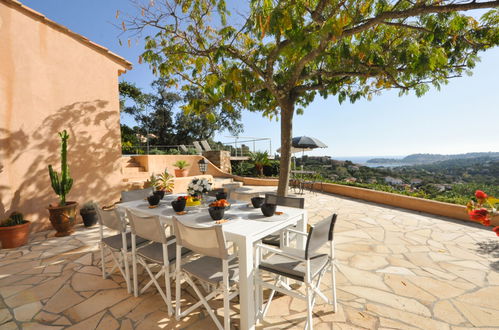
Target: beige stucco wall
[{"x": 50, "y": 81}]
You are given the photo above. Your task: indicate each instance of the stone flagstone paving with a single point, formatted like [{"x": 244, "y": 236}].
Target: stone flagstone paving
[{"x": 396, "y": 269}]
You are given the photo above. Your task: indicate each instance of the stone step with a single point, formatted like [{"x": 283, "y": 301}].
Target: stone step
[
  {"x": 125, "y": 161},
  {"x": 137, "y": 176},
  {"x": 135, "y": 169}
]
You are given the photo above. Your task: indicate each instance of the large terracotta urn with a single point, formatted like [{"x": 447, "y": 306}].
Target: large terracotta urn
[{"x": 63, "y": 218}]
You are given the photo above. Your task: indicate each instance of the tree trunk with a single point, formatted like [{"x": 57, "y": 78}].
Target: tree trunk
[{"x": 287, "y": 111}]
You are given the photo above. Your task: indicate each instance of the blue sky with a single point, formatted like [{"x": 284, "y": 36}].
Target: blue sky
[{"x": 462, "y": 117}]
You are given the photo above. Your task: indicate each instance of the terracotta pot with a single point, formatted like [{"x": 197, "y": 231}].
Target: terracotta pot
[
  {"x": 180, "y": 173},
  {"x": 14, "y": 236},
  {"x": 63, "y": 218}
]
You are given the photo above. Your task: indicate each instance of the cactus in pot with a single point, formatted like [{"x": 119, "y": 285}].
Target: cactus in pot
[
  {"x": 62, "y": 183},
  {"x": 63, "y": 214}
]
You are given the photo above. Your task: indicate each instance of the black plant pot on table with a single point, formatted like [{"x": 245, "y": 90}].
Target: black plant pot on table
[
  {"x": 257, "y": 202},
  {"x": 178, "y": 205},
  {"x": 268, "y": 210},
  {"x": 221, "y": 195},
  {"x": 216, "y": 212},
  {"x": 160, "y": 193},
  {"x": 153, "y": 200}
]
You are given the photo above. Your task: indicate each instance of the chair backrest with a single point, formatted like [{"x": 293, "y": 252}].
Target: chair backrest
[
  {"x": 147, "y": 226},
  {"x": 183, "y": 148},
  {"x": 209, "y": 241},
  {"x": 198, "y": 147},
  {"x": 110, "y": 218},
  {"x": 206, "y": 145},
  {"x": 285, "y": 201},
  {"x": 135, "y": 195},
  {"x": 319, "y": 234}
]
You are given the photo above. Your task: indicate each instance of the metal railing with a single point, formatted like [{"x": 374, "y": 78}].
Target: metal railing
[
  {"x": 242, "y": 146},
  {"x": 158, "y": 150}
]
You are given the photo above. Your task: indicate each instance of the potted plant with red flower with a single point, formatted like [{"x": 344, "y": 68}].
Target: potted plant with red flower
[
  {"x": 179, "y": 203},
  {"x": 484, "y": 209}
]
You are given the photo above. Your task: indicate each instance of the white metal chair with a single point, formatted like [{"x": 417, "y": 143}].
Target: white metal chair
[
  {"x": 216, "y": 268},
  {"x": 307, "y": 266},
  {"x": 160, "y": 252},
  {"x": 275, "y": 239},
  {"x": 119, "y": 245}
]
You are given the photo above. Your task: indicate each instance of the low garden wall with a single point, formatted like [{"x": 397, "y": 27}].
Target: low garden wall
[{"x": 406, "y": 202}]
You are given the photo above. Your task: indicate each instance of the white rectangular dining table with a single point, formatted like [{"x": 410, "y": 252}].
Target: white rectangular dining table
[{"x": 246, "y": 226}]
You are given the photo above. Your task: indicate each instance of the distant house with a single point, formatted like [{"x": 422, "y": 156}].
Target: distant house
[
  {"x": 416, "y": 182},
  {"x": 351, "y": 180},
  {"x": 53, "y": 79},
  {"x": 353, "y": 168},
  {"x": 393, "y": 181},
  {"x": 442, "y": 187}
]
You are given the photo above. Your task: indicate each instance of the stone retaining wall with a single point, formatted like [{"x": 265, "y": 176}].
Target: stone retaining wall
[{"x": 407, "y": 202}]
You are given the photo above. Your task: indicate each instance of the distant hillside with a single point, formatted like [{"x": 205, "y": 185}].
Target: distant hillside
[{"x": 420, "y": 159}]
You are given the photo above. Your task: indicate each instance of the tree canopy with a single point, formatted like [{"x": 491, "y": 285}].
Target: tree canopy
[
  {"x": 155, "y": 115},
  {"x": 277, "y": 56}
]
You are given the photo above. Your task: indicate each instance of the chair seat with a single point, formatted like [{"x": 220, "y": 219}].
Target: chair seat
[
  {"x": 115, "y": 242},
  {"x": 210, "y": 269},
  {"x": 292, "y": 268},
  {"x": 154, "y": 252},
  {"x": 273, "y": 239}
]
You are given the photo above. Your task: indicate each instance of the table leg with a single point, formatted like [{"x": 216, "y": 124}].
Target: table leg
[{"x": 246, "y": 284}]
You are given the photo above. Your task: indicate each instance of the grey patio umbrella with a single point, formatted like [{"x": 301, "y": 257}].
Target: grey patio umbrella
[
  {"x": 304, "y": 143},
  {"x": 307, "y": 143}
]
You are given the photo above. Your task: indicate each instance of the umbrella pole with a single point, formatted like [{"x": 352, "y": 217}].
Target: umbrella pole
[{"x": 302, "y": 154}]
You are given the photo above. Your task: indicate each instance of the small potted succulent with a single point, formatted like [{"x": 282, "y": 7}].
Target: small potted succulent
[
  {"x": 153, "y": 183},
  {"x": 14, "y": 231},
  {"x": 62, "y": 214},
  {"x": 164, "y": 184},
  {"x": 153, "y": 200},
  {"x": 88, "y": 214},
  {"x": 181, "y": 168},
  {"x": 257, "y": 202},
  {"x": 179, "y": 203}
]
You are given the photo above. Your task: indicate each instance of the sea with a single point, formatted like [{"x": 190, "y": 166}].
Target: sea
[{"x": 362, "y": 160}]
